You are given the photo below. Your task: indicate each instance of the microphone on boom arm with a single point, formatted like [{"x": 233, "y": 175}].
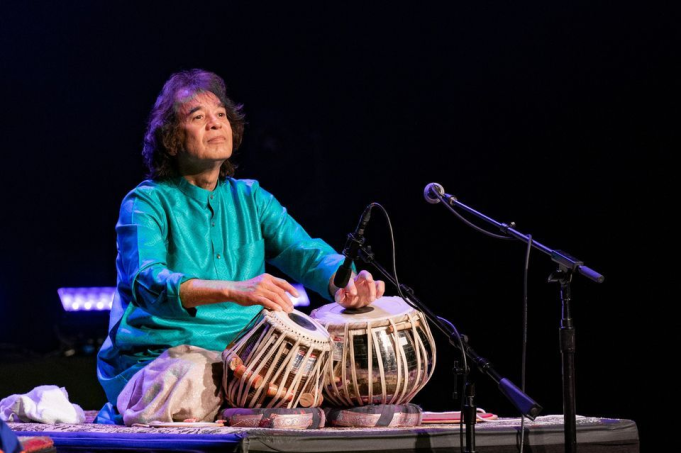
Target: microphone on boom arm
[
  {"x": 431, "y": 192},
  {"x": 351, "y": 250}
]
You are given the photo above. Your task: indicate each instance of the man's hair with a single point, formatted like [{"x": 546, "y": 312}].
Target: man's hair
[{"x": 164, "y": 138}]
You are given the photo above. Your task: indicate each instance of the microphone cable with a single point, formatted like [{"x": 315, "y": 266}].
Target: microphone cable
[
  {"x": 468, "y": 222},
  {"x": 466, "y": 369},
  {"x": 525, "y": 308}
]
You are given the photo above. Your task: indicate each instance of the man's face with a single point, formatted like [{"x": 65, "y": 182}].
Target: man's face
[{"x": 207, "y": 132}]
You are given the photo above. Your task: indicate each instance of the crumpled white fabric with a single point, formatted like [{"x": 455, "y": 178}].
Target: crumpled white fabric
[
  {"x": 44, "y": 404},
  {"x": 183, "y": 382}
]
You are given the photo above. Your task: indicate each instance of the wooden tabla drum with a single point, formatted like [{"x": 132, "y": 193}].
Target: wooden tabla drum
[
  {"x": 383, "y": 353},
  {"x": 278, "y": 361}
]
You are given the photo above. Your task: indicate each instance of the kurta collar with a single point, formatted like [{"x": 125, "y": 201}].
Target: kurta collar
[{"x": 197, "y": 193}]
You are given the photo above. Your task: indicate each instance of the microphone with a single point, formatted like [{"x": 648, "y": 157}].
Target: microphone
[
  {"x": 430, "y": 192},
  {"x": 354, "y": 241}
]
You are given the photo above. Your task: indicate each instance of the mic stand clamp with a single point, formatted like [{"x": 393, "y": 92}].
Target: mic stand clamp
[
  {"x": 457, "y": 371},
  {"x": 352, "y": 246}
]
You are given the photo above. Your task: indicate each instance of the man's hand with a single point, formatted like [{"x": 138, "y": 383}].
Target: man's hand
[
  {"x": 360, "y": 291},
  {"x": 265, "y": 290}
]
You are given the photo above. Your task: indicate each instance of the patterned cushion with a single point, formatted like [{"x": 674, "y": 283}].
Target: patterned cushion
[
  {"x": 279, "y": 418},
  {"x": 373, "y": 415}
]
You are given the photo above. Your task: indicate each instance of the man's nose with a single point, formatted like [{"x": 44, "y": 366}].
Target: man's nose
[{"x": 214, "y": 122}]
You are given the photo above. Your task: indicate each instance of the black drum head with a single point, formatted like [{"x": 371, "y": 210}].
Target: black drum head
[
  {"x": 302, "y": 322},
  {"x": 357, "y": 311}
]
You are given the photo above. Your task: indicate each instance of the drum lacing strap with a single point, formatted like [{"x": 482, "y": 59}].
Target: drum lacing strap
[
  {"x": 234, "y": 351},
  {"x": 431, "y": 342},
  {"x": 303, "y": 377},
  {"x": 402, "y": 366},
  {"x": 419, "y": 348},
  {"x": 332, "y": 388},
  {"x": 271, "y": 344},
  {"x": 286, "y": 365},
  {"x": 353, "y": 372},
  {"x": 321, "y": 369},
  {"x": 243, "y": 386},
  {"x": 263, "y": 333},
  {"x": 379, "y": 360},
  {"x": 345, "y": 352}
]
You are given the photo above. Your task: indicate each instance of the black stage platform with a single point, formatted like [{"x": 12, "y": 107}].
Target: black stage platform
[{"x": 545, "y": 435}]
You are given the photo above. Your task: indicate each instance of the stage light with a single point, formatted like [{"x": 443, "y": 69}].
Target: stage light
[{"x": 91, "y": 298}]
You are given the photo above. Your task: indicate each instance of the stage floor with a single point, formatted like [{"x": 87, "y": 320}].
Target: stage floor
[{"x": 545, "y": 434}]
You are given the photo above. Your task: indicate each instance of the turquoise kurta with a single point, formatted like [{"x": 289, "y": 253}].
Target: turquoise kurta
[{"x": 171, "y": 231}]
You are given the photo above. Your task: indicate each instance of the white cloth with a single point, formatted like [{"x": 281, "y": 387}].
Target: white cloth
[
  {"x": 184, "y": 382},
  {"x": 44, "y": 404}
]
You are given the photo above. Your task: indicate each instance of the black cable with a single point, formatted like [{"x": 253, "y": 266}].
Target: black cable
[
  {"x": 523, "y": 364},
  {"x": 406, "y": 299},
  {"x": 470, "y": 224}
]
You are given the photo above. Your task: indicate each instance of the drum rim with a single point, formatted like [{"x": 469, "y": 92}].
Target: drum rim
[
  {"x": 280, "y": 320},
  {"x": 360, "y": 322}
]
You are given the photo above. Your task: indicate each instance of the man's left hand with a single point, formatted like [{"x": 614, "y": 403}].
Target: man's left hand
[{"x": 360, "y": 291}]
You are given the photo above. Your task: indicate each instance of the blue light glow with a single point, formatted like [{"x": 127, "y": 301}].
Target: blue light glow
[
  {"x": 302, "y": 300},
  {"x": 87, "y": 299}
]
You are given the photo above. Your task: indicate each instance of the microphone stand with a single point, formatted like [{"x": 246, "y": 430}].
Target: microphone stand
[
  {"x": 525, "y": 405},
  {"x": 567, "y": 267}
]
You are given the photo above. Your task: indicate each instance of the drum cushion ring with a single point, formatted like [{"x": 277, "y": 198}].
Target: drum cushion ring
[
  {"x": 277, "y": 418},
  {"x": 375, "y": 415}
]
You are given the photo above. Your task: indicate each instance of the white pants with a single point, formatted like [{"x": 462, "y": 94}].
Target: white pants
[{"x": 182, "y": 383}]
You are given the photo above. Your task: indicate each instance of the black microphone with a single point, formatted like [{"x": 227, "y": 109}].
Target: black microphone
[
  {"x": 352, "y": 245},
  {"x": 431, "y": 191}
]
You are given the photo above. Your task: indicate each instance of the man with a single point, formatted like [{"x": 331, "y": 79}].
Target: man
[{"x": 192, "y": 245}]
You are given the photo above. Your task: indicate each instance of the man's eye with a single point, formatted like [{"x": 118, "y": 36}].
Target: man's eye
[
  {"x": 197, "y": 117},
  {"x": 222, "y": 114}
]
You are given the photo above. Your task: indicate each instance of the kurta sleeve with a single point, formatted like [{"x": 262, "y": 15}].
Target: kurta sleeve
[
  {"x": 310, "y": 261},
  {"x": 142, "y": 238}
]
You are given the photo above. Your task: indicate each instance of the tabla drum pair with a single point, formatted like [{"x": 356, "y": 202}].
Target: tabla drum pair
[{"x": 383, "y": 353}]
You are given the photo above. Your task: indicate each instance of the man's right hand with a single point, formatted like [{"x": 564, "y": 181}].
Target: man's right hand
[{"x": 265, "y": 290}]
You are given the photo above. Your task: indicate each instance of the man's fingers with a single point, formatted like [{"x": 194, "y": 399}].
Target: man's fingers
[
  {"x": 371, "y": 288},
  {"x": 275, "y": 289},
  {"x": 380, "y": 288},
  {"x": 267, "y": 303},
  {"x": 279, "y": 297},
  {"x": 365, "y": 275},
  {"x": 286, "y": 286},
  {"x": 350, "y": 288}
]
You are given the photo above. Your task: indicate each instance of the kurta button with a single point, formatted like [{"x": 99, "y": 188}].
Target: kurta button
[
  {"x": 212, "y": 224},
  {"x": 218, "y": 256},
  {"x": 211, "y": 197}
]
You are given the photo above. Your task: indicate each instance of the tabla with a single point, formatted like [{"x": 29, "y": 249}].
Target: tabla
[
  {"x": 278, "y": 360},
  {"x": 384, "y": 353}
]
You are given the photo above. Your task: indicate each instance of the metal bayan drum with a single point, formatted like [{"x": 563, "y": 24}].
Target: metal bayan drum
[
  {"x": 278, "y": 360},
  {"x": 383, "y": 353}
]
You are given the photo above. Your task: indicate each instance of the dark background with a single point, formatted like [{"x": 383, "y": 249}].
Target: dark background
[{"x": 559, "y": 116}]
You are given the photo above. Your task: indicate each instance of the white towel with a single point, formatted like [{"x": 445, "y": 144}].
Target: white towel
[{"x": 44, "y": 404}]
